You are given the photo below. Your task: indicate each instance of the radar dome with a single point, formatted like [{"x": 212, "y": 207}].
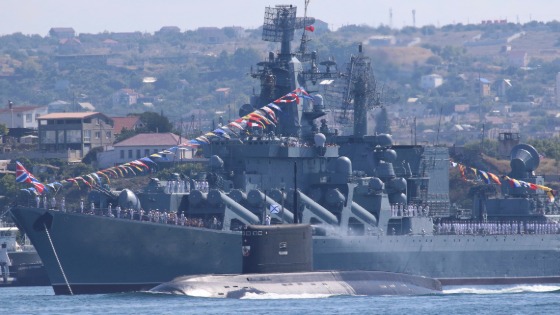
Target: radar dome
[
  {"x": 344, "y": 166},
  {"x": 320, "y": 140}
]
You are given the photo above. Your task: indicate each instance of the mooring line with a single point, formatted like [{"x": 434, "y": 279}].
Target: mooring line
[{"x": 58, "y": 260}]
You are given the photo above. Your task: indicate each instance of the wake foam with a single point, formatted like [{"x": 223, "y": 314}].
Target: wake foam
[
  {"x": 276, "y": 296},
  {"x": 537, "y": 288}
]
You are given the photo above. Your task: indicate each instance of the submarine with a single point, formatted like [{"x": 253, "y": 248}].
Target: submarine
[{"x": 278, "y": 260}]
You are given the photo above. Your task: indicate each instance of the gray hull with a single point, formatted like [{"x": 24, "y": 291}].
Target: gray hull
[
  {"x": 298, "y": 283},
  {"x": 102, "y": 254}
]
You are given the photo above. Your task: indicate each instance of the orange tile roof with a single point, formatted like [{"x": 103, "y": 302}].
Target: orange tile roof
[{"x": 129, "y": 123}]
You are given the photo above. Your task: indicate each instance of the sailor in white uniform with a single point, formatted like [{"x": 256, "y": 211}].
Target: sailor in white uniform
[{"x": 4, "y": 261}]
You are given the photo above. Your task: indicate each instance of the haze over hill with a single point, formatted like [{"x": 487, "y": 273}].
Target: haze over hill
[{"x": 37, "y": 16}]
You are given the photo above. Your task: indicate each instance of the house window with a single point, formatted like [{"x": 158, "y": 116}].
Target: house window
[
  {"x": 98, "y": 135},
  {"x": 87, "y": 135},
  {"x": 75, "y": 136},
  {"x": 130, "y": 154},
  {"x": 60, "y": 136},
  {"x": 48, "y": 136},
  {"x": 28, "y": 118},
  {"x": 107, "y": 135},
  {"x": 122, "y": 154},
  {"x": 138, "y": 153},
  {"x": 147, "y": 152}
]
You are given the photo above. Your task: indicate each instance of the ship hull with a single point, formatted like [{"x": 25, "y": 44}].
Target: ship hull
[{"x": 102, "y": 254}]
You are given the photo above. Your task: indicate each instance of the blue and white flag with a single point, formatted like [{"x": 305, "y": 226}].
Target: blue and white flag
[{"x": 274, "y": 208}]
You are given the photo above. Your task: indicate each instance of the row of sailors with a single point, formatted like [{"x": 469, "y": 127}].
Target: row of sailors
[
  {"x": 201, "y": 185},
  {"x": 151, "y": 216},
  {"x": 158, "y": 217},
  {"x": 44, "y": 203},
  {"x": 410, "y": 210},
  {"x": 177, "y": 186},
  {"x": 497, "y": 228}
]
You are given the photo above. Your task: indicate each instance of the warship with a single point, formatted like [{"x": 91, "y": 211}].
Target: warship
[{"x": 373, "y": 205}]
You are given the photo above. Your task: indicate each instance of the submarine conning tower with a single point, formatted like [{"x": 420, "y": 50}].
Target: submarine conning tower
[{"x": 277, "y": 248}]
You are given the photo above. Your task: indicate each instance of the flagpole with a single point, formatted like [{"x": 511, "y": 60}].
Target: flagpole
[{"x": 282, "y": 210}]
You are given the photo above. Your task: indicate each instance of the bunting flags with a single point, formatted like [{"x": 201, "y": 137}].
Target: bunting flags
[
  {"x": 489, "y": 178},
  {"x": 462, "y": 171},
  {"x": 262, "y": 118},
  {"x": 494, "y": 178},
  {"x": 485, "y": 177}
]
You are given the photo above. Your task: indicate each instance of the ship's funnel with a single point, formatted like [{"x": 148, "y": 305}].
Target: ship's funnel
[{"x": 524, "y": 160}]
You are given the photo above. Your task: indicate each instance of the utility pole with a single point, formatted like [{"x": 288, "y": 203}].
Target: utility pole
[{"x": 11, "y": 106}]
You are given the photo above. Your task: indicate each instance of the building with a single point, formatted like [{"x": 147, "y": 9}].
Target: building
[
  {"x": 128, "y": 123},
  {"x": 146, "y": 144},
  {"x": 125, "y": 97},
  {"x": 485, "y": 87},
  {"x": 75, "y": 131},
  {"x": 431, "y": 81},
  {"x": 22, "y": 116}
]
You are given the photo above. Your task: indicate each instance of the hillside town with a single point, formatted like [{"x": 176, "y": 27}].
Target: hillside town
[{"x": 106, "y": 98}]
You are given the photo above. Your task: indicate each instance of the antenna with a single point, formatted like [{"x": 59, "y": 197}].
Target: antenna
[
  {"x": 390, "y": 17},
  {"x": 304, "y": 40},
  {"x": 439, "y": 125},
  {"x": 360, "y": 91},
  {"x": 414, "y": 17}
]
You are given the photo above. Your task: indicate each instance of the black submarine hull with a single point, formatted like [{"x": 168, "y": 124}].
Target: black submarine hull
[{"x": 315, "y": 283}]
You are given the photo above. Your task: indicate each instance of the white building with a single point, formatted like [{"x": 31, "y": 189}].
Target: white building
[
  {"x": 145, "y": 144},
  {"x": 431, "y": 81},
  {"x": 22, "y": 116}
]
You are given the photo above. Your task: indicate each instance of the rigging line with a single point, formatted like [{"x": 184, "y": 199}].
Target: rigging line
[{"x": 58, "y": 260}]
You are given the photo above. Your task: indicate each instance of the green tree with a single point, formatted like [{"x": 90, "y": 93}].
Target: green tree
[
  {"x": 8, "y": 187},
  {"x": 3, "y": 130},
  {"x": 154, "y": 122}
]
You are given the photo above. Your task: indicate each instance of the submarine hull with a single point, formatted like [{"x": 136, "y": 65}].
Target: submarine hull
[{"x": 301, "y": 283}]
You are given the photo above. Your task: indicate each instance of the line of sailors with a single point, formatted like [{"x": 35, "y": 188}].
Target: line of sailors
[
  {"x": 44, "y": 203},
  {"x": 160, "y": 217},
  {"x": 177, "y": 186},
  {"x": 497, "y": 228},
  {"x": 410, "y": 210}
]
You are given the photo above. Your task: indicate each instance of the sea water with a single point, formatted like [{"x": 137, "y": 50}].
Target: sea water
[{"x": 520, "y": 299}]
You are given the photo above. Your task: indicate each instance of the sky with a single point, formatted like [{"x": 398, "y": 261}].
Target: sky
[{"x": 96, "y": 16}]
